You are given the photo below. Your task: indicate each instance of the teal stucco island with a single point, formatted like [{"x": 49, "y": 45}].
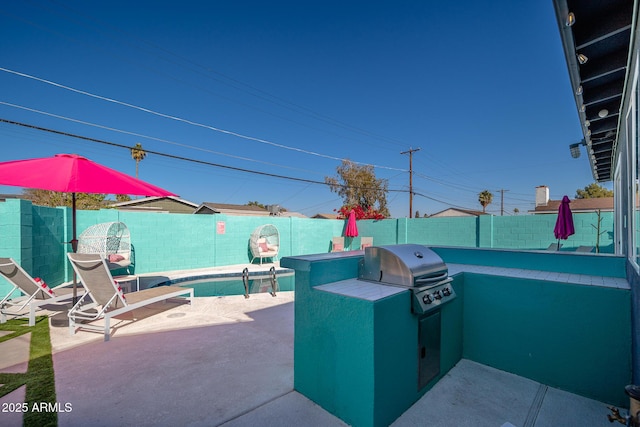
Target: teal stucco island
[{"x": 356, "y": 349}]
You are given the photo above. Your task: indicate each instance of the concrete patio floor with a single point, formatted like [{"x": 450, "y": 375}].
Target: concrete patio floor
[{"x": 228, "y": 361}]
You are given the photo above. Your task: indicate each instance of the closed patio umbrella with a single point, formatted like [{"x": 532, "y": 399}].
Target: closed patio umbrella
[
  {"x": 564, "y": 224},
  {"x": 71, "y": 173},
  {"x": 351, "y": 230}
]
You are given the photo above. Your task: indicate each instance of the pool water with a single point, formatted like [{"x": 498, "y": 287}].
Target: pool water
[{"x": 234, "y": 286}]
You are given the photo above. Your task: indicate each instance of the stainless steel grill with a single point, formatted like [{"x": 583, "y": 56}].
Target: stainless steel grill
[
  {"x": 423, "y": 272},
  {"x": 414, "y": 267}
]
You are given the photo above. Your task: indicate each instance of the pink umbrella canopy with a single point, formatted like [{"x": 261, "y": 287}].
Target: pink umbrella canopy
[
  {"x": 70, "y": 173},
  {"x": 352, "y": 228},
  {"x": 564, "y": 224}
]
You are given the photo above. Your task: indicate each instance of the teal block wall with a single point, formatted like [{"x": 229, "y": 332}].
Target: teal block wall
[
  {"x": 48, "y": 248},
  {"x": 32, "y": 235},
  {"x": 561, "y": 262},
  {"x": 384, "y": 232},
  {"x": 536, "y": 232},
  {"x": 442, "y": 231},
  {"x": 576, "y": 338}
]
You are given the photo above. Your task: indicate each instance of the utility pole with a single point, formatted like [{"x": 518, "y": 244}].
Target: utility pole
[
  {"x": 502, "y": 201},
  {"x": 410, "y": 152}
]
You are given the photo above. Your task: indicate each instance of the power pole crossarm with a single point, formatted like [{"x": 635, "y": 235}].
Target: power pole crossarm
[{"x": 410, "y": 152}]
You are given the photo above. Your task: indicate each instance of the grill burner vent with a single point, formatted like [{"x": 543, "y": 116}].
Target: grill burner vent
[{"x": 414, "y": 267}]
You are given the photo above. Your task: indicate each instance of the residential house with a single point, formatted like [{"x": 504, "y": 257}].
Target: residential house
[
  {"x": 457, "y": 212},
  {"x": 168, "y": 204},
  {"x": 228, "y": 209},
  {"x": 546, "y": 206}
]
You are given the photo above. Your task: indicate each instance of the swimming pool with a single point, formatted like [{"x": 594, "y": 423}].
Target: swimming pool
[{"x": 225, "y": 286}]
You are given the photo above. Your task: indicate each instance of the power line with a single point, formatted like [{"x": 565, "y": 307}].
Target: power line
[
  {"x": 180, "y": 119},
  {"x": 139, "y": 135},
  {"x": 186, "y": 159}
]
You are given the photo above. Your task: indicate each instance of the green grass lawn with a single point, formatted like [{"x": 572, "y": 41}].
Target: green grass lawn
[{"x": 39, "y": 378}]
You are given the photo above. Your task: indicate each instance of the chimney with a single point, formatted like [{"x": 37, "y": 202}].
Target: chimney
[{"x": 542, "y": 195}]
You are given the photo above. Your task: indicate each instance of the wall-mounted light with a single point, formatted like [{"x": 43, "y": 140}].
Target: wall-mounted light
[
  {"x": 603, "y": 113},
  {"x": 579, "y": 91},
  {"x": 587, "y": 123},
  {"x": 575, "y": 149},
  {"x": 583, "y": 108},
  {"x": 571, "y": 19},
  {"x": 582, "y": 58}
]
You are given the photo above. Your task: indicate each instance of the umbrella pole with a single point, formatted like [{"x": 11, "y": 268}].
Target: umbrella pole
[{"x": 74, "y": 245}]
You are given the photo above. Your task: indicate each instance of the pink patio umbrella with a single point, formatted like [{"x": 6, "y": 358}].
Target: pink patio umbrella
[
  {"x": 351, "y": 229},
  {"x": 70, "y": 173},
  {"x": 564, "y": 224}
]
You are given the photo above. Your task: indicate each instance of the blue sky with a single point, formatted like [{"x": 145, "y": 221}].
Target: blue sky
[{"x": 290, "y": 87}]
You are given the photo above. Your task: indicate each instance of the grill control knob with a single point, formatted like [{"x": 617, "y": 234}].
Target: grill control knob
[
  {"x": 427, "y": 299},
  {"x": 437, "y": 295},
  {"x": 446, "y": 292}
]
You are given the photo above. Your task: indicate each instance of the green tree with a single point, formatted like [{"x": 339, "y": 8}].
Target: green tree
[
  {"x": 256, "y": 203},
  {"x": 358, "y": 186},
  {"x": 485, "y": 198},
  {"x": 54, "y": 198},
  {"x": 138, "y": 154},
  {"x": 593, "y": 191}
]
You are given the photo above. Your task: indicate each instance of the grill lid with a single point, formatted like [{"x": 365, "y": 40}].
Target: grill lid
[{"x": 407, "y": 265}]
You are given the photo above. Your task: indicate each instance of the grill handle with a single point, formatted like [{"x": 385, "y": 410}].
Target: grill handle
[{"x": 431, "y": 279}]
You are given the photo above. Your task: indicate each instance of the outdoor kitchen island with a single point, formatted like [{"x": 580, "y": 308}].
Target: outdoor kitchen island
[
  {"x": 365, "y": 350},
  {"x": 560, "y": 319}
]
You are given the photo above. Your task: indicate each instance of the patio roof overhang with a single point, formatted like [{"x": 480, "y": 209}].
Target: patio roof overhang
[{"x": 596, "y": 36}]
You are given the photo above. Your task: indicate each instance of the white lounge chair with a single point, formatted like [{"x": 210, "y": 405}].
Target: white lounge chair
[
  {"x": 34, "y": 295},
  {"x": 106, "y": 300}
]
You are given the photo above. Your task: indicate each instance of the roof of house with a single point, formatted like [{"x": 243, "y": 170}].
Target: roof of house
[
  {"x": 578, "y": 205},
  {"x": 169, "y": 204},
  {"x": 457, "y": 212},
  {"x": 224, "y": 208},
  {"x": 325, "y": 216},
  {"x": 12, "y": 196},
  {"x": 292, "y": 214}
]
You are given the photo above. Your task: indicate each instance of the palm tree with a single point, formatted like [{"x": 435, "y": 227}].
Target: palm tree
[
  {"x": 485, "y": 198},
  {"x": 138, "y": 154}
]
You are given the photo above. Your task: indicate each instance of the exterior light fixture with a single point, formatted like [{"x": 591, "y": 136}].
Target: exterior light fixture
[
  {"x": 603, "y": 113},
  {"x": 587, "y": 123},
  {"x": 571, "y": 19},
  {"x": 582, "y": 58},
  {"x": 579, "y": 91},
  {"x": 583, "y": 108},
  {"x": 575, "y": 149}
]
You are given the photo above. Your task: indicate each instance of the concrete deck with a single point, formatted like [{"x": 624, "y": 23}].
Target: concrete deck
[{"x": 228, "y": 361}]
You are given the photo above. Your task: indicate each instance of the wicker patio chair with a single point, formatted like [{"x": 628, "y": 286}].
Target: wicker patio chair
[
  {"x": 265, "y": 242},
  {"x": 111, "y": 240}
]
